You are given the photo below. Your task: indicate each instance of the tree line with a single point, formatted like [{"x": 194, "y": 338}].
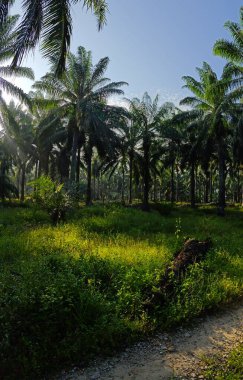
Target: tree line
[{"x": 66, "y": 127}]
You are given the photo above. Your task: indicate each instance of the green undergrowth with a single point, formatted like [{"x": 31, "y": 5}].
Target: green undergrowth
[{"x": 81, "y": 288}]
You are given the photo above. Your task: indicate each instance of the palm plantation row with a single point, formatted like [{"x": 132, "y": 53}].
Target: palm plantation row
[{"x": 70, "y": 131}]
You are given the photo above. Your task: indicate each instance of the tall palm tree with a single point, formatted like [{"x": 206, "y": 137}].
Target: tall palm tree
[
  {"x": 7, "y": 43},
  {"x": 232, "y": 50},
  {"x": 50, "y": 22},
  {"x": 102, "y": 125},
  {"x": 81, "y": 95},
  {"x": 217, "y": 99}
]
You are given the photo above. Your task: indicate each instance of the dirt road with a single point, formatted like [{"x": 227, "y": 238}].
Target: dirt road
[{"x": 170, "y": 355}]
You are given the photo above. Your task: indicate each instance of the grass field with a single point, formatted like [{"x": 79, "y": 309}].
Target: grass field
[{"x": 72, "y": 291}]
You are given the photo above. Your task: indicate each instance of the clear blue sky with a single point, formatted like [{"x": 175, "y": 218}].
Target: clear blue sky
[{"x": 151, "y": 43}]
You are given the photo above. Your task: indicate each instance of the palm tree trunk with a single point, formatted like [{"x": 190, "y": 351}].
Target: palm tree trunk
[
  {"x": 238, "y": 186},
  {"x": 145, "y": 206},
  {"x": 221, "y": 163},
  {"x": 98, "y": 186},
  {"x": 172, "y": 183},
  {"x": 192, "y": 184},
  {"x": 18, "y": 181},
  {"x": 94, "y": 186},
  {"x": 155, "y": 190},
  {"x": 63, "y": 165},
  {"x": 123, "y": 186},
  {"x": 46, "y": 163},
  {"x": 36, "y": 169},
  {"x": 22, "y": 189},
  {"x": 130, "y": 177},
  {"x": 207, "y": 186},
  {"x": 74, "y": 155},
  {"x": 177, "y": 184},
  {"x": 78, "y": 165},
  {"x": 211, "y": 186},
  {"x": 89, "y": 176}
]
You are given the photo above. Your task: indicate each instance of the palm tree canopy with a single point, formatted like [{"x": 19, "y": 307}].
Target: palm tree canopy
[
  {"x": 212, "y": 96},
  {"x": 50, "y": 22},
  {"x": 232, "y": 50},
  {"x": 82, "y": 88},
  {"x": 7, "y": 42}
]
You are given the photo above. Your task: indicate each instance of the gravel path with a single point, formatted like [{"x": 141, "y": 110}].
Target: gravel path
[{"x": 176, "y": 354}]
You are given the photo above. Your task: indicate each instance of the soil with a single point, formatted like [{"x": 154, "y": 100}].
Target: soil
[{"x": 174, "y": 355}]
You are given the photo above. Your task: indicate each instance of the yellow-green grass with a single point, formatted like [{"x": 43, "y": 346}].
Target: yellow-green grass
[{"x": 69, "y": 291}]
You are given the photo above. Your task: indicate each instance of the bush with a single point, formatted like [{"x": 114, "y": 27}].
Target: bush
[{"x": 50, "y": 196}]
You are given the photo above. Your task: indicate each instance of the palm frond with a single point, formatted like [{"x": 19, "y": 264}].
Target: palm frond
[
  {"x": 15, "y": 91},
  {"x": 29, "y": 30},
  {"x": 193, "y": 85},
  {"x": 57, "y": 29},
  {"x": 99, "y": 7},
  {"x": 24, "y": 72},
  {"x": 228, "y": 50}
]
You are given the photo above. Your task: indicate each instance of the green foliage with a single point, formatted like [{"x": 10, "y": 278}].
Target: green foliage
[
  {"x": 82, "y": 288},
  {"x": 50, "y": 196}
]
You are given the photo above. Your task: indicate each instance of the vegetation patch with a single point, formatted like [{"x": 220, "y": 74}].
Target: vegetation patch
[
  {"x": 80, "y": 288},
  {"x": 225, "y": 368}
]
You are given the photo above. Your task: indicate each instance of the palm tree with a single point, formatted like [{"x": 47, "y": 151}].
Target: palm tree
[
  {"x": 130, "y": 141},
  {"x": 102, "y": 125},
  {"x": 217, "y": 100},
  {"x": 51, "y": 22},
  {"x": 126, "y": 157},
  {"x": 18, "y": 133},
  {"x": 232, "y": 50},
  {"x": 146, "y": 116},
  {"x": 7, "y": 42},
  {"x": 170, "y": 139},
  {"x": 81, "y": 95}
]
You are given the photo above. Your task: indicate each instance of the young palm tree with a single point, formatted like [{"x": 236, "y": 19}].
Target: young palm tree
[
  {"x": 49, "y": 21},
  {"x": 7, "y": 42},
  {"x": 217, "y": 100},
  {"x": 232, "y": 50}
]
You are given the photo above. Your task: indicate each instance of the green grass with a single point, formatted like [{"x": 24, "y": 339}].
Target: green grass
[
  {"x": 72, "y": 291},
  {"x": 230, "y": 368}
]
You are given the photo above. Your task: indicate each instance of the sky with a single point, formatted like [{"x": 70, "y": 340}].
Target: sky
[{"x": 151, "y": 43}]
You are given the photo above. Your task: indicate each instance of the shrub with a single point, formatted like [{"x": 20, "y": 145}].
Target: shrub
[{"x": 52, "y": 197}]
